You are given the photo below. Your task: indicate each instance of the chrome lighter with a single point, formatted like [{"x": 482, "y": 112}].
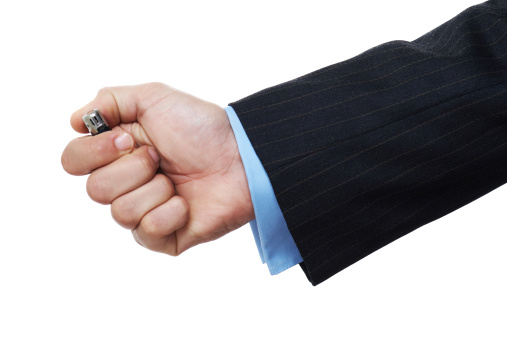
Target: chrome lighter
[{"x": 94, "y": 122}]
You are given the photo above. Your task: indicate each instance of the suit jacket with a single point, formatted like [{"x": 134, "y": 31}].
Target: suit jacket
[{"x": 365, "y": 151}]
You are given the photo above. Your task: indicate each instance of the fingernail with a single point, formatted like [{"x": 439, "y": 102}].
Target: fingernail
[
  {"x": 154, "y": 154},
  {"x": 124, "y": 142}
]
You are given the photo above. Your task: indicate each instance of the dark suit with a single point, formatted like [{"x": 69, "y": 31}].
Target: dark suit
[{"x": 363, "y": 152}]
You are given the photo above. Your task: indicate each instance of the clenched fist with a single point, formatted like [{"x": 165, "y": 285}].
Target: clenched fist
[{"x": 170, "y": 167}]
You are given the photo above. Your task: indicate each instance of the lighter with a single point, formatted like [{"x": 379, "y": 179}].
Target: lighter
[{"x": 94, "y": 122}]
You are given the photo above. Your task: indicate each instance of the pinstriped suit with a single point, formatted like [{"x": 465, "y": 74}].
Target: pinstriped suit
[{"x": 363, "y": 152}]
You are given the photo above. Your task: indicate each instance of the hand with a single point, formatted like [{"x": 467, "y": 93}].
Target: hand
[{"x": 175, "y": 179}]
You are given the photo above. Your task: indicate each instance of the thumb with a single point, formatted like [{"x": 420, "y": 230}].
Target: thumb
[{"x": 139, "y": 134}]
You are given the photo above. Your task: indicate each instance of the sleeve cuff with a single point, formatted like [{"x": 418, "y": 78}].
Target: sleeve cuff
[{"x": 272, "y": 237}]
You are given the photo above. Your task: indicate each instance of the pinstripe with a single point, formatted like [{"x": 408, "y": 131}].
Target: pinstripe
[
  {"x": 397, "y": 176},
  {"x": 457, "y": 27},
  {"x": 334, "y": 87},
  {"x": 410, "y": 188},
  {"x": 316, "y": 268},
  {"x": 364, "y": 151},
  {"x": 470, "y": 33},
  {"x": 347, "y": 84},
  {"x": 449, "y": 24},
  {"x": 373, "y": 92},
  {"x": 344, "y": 63},
  {"x": 313, "y": 152},
  {"x": 368, "y": 93},
  {"x": 346, "y": 75},
  {"x": 333, "y": 68},
  {"x": 431, "y": 41},
  {"x": 365, "y": 70},
  {"x": 309, "y": 198},
  {"x": 429, "y": 37},
  {"x": 308, "y": 220},
  {"x": 374, "y": 111},
  {"x": 487, "y": 45},
  {"x": 305, "y": 154},
  {"x": 388, "y": 140}
]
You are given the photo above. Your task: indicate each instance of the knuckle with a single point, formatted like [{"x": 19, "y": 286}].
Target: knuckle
[
  {"x": 154, "y": 90},
  {"x": 103, "y": 91},
  {"x": 81, "y": 154},
  {"x": 180, "y": 205},
  {"x": 166, "y": 184},
  {"x": 145, "y": 163},
  {"x": 122, "y": 212},
  {"x": 156, "y": 85},
  {"x": 96, "y": 189},
  {"x": 150, "y": 226}
]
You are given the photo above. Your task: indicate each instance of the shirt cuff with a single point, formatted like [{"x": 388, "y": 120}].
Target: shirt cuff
[{"x": 274, "y": 241}]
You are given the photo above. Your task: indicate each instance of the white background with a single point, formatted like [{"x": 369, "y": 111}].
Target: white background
[{"x": 67, "y": 269}]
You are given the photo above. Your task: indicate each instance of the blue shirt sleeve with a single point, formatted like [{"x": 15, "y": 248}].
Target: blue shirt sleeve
[{"x": 274, "y": 241}]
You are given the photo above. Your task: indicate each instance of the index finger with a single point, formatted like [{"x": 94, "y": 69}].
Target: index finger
[
  {"x": 85, "y": 154},
  {"x": 116, "y": 104}
]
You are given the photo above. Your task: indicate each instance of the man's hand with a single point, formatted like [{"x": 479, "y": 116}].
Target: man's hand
[{"x": 170, "y": 168}]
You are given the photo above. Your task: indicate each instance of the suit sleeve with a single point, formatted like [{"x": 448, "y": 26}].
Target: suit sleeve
[{"x": 364, "y": 151}]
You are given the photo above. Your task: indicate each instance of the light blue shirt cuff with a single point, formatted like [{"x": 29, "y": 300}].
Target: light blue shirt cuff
[{"x": 274, "y": 241}]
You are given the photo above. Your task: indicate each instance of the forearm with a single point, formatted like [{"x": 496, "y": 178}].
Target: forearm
[{"x": 364, "y": 151}]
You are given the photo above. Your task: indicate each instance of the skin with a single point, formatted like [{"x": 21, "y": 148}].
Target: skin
[{"x": 179, "y": 182}]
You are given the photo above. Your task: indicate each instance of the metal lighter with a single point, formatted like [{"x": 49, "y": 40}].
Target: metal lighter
[{"x": 95, "y": 122}]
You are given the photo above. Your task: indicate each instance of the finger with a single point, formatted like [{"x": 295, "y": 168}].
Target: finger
[
  {"x": 84, "y": 154},
  {"x": 157, "y": 230},
  {"x": 127, "y": 173},
  {"x": 120, "y": 104},
  {"x": 110, "y": 101},
  {"x": 128, "y": 210}
]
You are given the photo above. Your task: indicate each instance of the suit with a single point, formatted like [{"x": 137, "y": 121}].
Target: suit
[{"x": 364, "y": 151}]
